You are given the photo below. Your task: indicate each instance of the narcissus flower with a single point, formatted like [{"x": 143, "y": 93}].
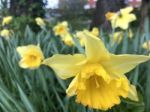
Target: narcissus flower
[
  {"x": 121, "y": 18},
  {"x": 146, "y": 45},
  {"x": 67, "y": 39},
  {"x": 40, "y": 21},
  {"x": 61, "y": 28},
  {"x": 31, "y": 56},
  {"x": 6, "y": 20},
  {"x": 118, "y": 36},
  {"x": 100, "y": 78},
  {"x": 5, "y": 33},
  {"x": 130, "y": 34}
]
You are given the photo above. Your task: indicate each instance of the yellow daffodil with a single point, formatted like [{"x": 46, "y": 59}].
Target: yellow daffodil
[
  {"x": 62, "y": 31},
  {"x": 61, "y": 28},
  {"x": 100, "y": 78},
  {"x": 130, "y": 34},
  {"x": 146, "y": 45},
  {"x": 5, "y": 33},
  {"x": 122, "y": 18},
  {"x": 31, "y": 56},
  {"x": 95, "y": 31},
  {"x": 40, "y": 21},
  {"x": 118, "y": 36},
  {"x": 6, "y": 20},
  {"x": 67, "y": 39}
]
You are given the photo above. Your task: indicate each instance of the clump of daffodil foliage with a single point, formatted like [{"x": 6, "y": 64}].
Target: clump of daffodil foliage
[{"x": 61, "y": 70}]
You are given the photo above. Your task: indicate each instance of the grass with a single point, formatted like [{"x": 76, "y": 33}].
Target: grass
[{"x": 40, "y": 90}]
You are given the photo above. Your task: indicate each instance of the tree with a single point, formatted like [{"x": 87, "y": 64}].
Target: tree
[
  {"x": 31, "y": 8},
  {"x": 145, "y": 7}
]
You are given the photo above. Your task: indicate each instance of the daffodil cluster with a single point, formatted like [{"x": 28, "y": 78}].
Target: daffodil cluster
[
  {"x": 99, "y": 77},
  {"x": 6, "y": 32},
  {"x": 121, "y": 19},
  {"x": 62, "y": 30}
]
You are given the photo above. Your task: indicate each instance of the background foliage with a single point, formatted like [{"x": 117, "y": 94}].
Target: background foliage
[{"x": 40, "y": 90}]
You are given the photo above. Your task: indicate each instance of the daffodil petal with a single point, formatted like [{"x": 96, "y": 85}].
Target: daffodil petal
[
  {"x": 71, "y": 90},
  {"x": 22, "y": 64},
  {"x": 94, "y": 48},
  {"x": 65, "y": 66},
  {"x": 126, "y": 10},
  {"x": 133, "y": 93},
  {"x": 121, "y": 64},
  {"x": 22, "y": 50},
  {"x": 122, "y": 23},
  {"x": 65, "y": 23}
]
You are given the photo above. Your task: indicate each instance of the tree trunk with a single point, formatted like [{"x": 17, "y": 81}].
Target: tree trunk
[{"x": 145, "y": 7}]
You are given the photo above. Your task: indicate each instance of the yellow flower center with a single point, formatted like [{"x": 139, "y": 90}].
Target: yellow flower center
[
  {"x": 61, "y": 30},
  {"x": 91, "y": 70},
  {"x": 32, "y": 57},
  {"x": 32, "y": 60}
]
